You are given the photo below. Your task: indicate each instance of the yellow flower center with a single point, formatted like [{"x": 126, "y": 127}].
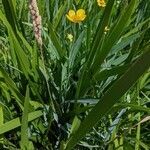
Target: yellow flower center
[{"x": 77, "y": 16}]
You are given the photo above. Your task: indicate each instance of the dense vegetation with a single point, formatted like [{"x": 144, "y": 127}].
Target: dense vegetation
[{"x": 85, "y": 84}]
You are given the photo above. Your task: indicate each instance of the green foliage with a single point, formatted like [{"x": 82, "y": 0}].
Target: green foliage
[{"x": 88, "y": 92}]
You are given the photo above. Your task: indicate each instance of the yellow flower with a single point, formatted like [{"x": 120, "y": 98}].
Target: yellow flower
[
  {"x": 70, "y": 37},
  {"x": 101, "y": 3},
  {"x": 77, "y": 16},
  {"x": 106, "y": 29}
]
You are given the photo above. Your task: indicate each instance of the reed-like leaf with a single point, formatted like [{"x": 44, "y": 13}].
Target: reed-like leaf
[
  {"x": 24, "y": 122},
  {"x": 12, "y": 124}
]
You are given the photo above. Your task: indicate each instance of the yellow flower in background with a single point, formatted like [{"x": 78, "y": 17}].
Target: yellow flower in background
[
  {"x": 101, "y": 3},
  {"x": 70, "y": 37},
  {"x": 106, "y": 29},
  {"x": 77, "y": 16}
]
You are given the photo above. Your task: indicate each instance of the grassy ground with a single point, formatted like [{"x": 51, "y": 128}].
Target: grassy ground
[{"x": 80, "y": 81}]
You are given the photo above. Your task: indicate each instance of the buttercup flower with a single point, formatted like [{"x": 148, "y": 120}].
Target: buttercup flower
[
  {"x": 77, "y": 16},
  {"x": 101, "y": 3}
]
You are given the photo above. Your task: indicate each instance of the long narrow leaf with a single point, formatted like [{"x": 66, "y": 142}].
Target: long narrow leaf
[
  {"x": 16, "y": 122},
  {"x": 24, "y": 123}
]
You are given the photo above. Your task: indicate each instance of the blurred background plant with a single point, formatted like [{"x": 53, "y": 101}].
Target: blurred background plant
[{"x": 91, "y": 90}]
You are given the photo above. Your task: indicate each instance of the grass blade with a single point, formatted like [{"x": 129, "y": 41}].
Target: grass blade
[
  {"x": 10, "y": 125},
  {"x": 24, "y": 123}
]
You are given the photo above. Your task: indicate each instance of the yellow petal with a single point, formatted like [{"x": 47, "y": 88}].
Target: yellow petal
[
  {"x": 80, "y": 15},
  {"x": 82, "y": 18},
  {"x": 69, "y": 18},
  {"x": 80, "y": 12},
  {"x": 71, "y": 13}
]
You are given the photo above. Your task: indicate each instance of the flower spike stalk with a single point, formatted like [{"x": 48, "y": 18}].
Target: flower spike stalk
[{"x": 37, "y": 26}]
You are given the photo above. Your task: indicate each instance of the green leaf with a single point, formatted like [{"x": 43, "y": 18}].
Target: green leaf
[
  {"x": 75, "y": 125},
  {"x": 12, "y": 87},
  {"x": 56, "y": 42},
  {"x": 1, "y": 121},
  {"x": 10, "y": 13},
  {"x": 103, "y": 75},
  {"x": 16, "y": 48},
  {"x": 59, "y": 15},
  {"x": 10, "y": 125},
  {"x": 75, "y": 49},
  {"x": 1, "y": 115},
  {"x": 24, "y": 122},
  {"x": 133, "y": 107}
]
